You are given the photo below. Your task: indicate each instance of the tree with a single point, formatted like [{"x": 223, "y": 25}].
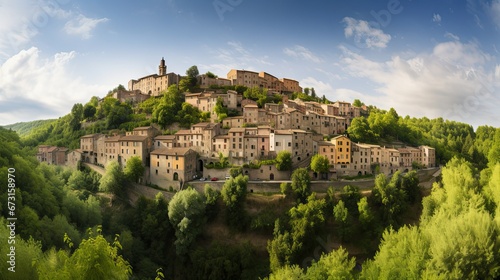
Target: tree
[
  {"x": 233, "y": 194},
  {"x": 359, "y": 130},
  {"x": 186, "y": 213},
  {"x": 341, "y": 215},
  {"x": 334, "y": 265},
  {"x": 211, "y": 75},
  {"x": 365, "y": 213},
  {"x": 113, "y": 180},
  {"x": 284, "y": 161},
  {"x": 320, "y": 164},
  {"x": 357, "y": 103},
  {"x": 313, "y": 93},
  {"x": 118, "y": 114},
  {"x": 390, "y": 197},
  {"x": 306, "y": 91},
  {"x": 192, "y": 72},
  {"x": 89, "y": 111},
  {"x": 76, "y": 116},
  {"x": 134, "y": 169},
  {"x": 95, "y": 258},
  {"x": 301, "y": 183}
]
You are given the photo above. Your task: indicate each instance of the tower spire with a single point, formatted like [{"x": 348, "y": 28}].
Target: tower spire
[{"x": 162, "y": 68}]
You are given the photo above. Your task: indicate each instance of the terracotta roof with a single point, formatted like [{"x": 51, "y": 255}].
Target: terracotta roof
[
  {"x": 237, "y": 129},
  {"x": 171, "y": 151}
]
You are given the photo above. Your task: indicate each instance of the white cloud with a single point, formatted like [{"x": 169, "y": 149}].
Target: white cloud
[
  {"x": 451, "y": 82},
  {"x": 364, "y": 34},
  {"x": 82, "y": 26},
  {"x": 497, "y": 72},
  {"x": 319, "y": 86},
  {"x": 451, "y": 36},
  {"x": 32, "y": 87},
  {"x": 436, "y": 18},
  {"x": 493, "y": 11},
  {"x": 301, "y": 52}
]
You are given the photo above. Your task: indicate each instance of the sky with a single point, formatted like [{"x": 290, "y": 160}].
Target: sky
[{"x": 423, "y": 58}]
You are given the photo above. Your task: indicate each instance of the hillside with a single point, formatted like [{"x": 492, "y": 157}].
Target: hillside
[{"x": 24, "y": 128}]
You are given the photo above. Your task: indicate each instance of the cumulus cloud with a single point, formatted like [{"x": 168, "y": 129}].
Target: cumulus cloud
[
  {"x": 32, "y": 87},
  {"x": 453, "y": 81},
  {"x": 319, "y": 86},
  {"x": 82, "y": 26},
  {"x": 301, "y": 52},
  {"x": 436, "y": 18},
  {"x": 364, "y": 34}
]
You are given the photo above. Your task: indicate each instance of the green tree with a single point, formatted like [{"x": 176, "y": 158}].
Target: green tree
[
  {"x": 284, "y": 161},
  {"x": 357, "y": 103},
  {"x": 76, "y": 116},
  {"x": 301, "y": 183},
  {"x": 334, "y": 265},
  {"x": 320, "y": 164},
  {"x": 134, "y": 169},
  {"x": 359, "y": 130},
  {"x": 113, "y": 180},
  {"x": 365, "y": 213},
  {"x": 288, "y": 272},
  {"x": 186, "y": 213},
  {"x": 341, "y": 215},
  {"x": 234, "y": 193},
  {"x": 89, "y": 112},
  {"x": 390, "y": 196},
  {"x": 211, "y": 75}
]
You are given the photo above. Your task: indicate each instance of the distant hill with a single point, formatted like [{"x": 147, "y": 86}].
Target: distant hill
[{"x": 24, "y": 128}]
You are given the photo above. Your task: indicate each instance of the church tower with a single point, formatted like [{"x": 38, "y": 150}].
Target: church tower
[{"x": 162, "y": 68}]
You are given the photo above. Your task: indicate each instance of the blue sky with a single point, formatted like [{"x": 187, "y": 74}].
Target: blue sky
[{"x": 424, "y": 58}]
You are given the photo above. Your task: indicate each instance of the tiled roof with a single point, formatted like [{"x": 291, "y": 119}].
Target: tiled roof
[{"x": 171, "y": 151}]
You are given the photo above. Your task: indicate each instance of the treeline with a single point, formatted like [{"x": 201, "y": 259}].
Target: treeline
[
  {"x": 457, "y": 236},
  {"x": 449, "y": 138}
]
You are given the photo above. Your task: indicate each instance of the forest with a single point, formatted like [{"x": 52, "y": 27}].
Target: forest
[{"x": 77, "y": 224}]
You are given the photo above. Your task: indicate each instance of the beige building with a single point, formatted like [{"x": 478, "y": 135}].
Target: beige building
[
  {"x": 133, "y": 96},
  {"x": 88, "y": 145},
  {"x": 428, "y": 156},
  {"x": 291, "y": 85},
  {"x": 74, "y": 157},
  {"x": 154, "y": 84},
  {"x": 134, "y": 145},
  {"x": 52, "y": 154},
  {"x": 361, "y": 158},
  {"x": 245, "y": 78},
  {"x": 172, "y": 165},
  {"x": 327, "y": 149},
  {"x": 271, "y": 82},
  {"x": 206, "y": 82},
  {"x": 112, "y": 149}
]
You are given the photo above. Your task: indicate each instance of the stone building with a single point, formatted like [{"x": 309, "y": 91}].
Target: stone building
[{"x": 154, "y": 84}]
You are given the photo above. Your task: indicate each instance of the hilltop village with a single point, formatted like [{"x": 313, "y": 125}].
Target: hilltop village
[{"x": 251, "y": 139}]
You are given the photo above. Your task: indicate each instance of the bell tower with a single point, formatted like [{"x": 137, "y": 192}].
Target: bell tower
[{"x": 162, "y": 68}]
